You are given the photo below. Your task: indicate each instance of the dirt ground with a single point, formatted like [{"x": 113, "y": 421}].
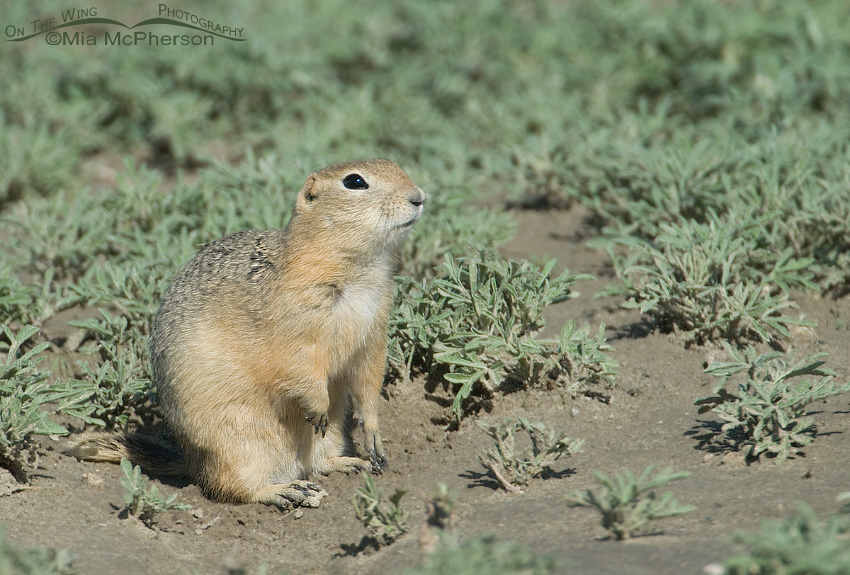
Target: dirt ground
[{"x": 650, "y": 418}]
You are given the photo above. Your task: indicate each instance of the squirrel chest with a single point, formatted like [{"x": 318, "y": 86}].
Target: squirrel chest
[
  {"x": 357, "y": 307},
  {"x": 340, "y": 315}
]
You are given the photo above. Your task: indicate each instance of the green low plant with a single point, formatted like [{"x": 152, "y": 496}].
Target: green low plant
[
  {"x": 584, "y": 356},
  {"x": 34, "y": 159},
  {"x": 440, "y": 507},
  {"x": 803, "y": 544},
  {"x": 115, "y": 383},
  {"x": 473, "y": 326},
  {"x": 440, "y": 517},
  {"x": 65, "y": 233},
  {"x": 142, "y": 501},
  {"x": 627, "y": 503},
  {"x": 34, "y": 561},
  {"x": 24, "y": 390},
  {"x": 485, "y": 555},
  {"x": 781, "y": 192},
  {"x": 514, "y": 468},
  {"x": 711, "y": 282},
  {"x": 16, "y": 299},
  {"x": 385, "y": 519},
  {"x": 767, "y": 402},
  {"x": 131, "y": 289}
]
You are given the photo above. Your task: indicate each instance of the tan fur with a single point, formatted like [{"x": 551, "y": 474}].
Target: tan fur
[{"x": 266, "y": 340}]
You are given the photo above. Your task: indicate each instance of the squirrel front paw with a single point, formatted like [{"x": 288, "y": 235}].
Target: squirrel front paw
[
  {"x": 379, "y": 462},
  {"x": 319, "y": 421}
]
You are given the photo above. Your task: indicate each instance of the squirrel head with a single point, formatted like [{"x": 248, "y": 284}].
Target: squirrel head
[{"x": 371, "y": 201}]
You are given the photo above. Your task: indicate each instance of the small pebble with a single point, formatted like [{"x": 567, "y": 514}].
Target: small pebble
[{"x": 93, "y": 480}]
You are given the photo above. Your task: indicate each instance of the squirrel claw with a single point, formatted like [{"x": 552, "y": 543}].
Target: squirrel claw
[{"x": 320, "y": 423}]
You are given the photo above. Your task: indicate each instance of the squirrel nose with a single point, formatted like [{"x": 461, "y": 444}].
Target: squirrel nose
[{"x": 416, "y": 197}]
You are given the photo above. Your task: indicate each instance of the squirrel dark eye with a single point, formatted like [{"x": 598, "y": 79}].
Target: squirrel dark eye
[{"x": 355, "y": 182}]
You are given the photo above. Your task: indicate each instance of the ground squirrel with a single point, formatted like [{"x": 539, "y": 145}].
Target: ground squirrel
[{"x": 266, "y": 341}]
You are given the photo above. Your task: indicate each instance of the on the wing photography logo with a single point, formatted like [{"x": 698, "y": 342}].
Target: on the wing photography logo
[{"x": 86, "y": 27}]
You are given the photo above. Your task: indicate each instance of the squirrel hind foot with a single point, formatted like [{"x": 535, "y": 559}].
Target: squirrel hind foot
[{"x": 297, "y": 493}]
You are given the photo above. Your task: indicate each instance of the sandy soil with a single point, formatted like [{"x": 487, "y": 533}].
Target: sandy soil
[{"x": 650, "y": 418}]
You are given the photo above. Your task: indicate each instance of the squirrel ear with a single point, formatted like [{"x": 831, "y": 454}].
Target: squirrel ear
[{"x": 308, "y": 191}]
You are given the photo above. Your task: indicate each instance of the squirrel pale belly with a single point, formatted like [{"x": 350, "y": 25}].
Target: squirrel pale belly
[{"x": 266, "y": 341}]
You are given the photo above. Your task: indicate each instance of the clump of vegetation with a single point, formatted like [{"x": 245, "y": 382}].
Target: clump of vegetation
[
  {"x": 439, "y": 517},
  {"x": 16, "y": 299},
  {"x": 584, "y": 357},
  {"x": 514, "y": 468},
  {"x": 440, "y": 507},
  {"x": 803, "y": 543},
  {"x": 709, "y": 281},
  {"x": 142, "y": 501},
  {"x": 24, "y": 389},
  {"x": 36, "y": 561},
  {"x": 64, "y": 236},
  {"x": 627, "y": 503},
  {"x": 485, "y": 555},
  {"x": 473, "y": 326},
  {"x": 546, "y": 177},
  {"x": 385, "y": 519},
  {"x": 34, "y": 160},
  {"x": 765, "y": 407},
  {"x": 118, "y": 384}
]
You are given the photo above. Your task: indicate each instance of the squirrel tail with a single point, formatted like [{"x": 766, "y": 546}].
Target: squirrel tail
[{"x": 154, "y": 453}]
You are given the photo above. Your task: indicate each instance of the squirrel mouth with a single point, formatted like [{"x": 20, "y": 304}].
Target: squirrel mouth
[{"x": 409, "y": 222}]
